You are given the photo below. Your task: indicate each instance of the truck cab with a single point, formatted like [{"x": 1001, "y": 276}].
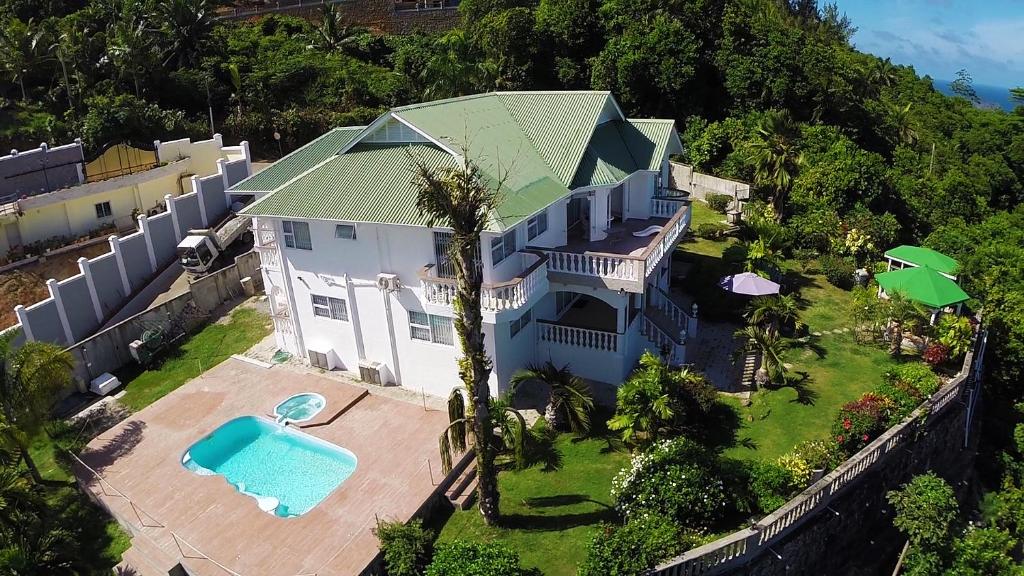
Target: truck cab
[{"x": 196, "y": 253}]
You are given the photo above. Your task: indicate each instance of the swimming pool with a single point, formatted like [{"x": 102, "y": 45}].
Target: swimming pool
[
  {"x": 300, "y": 407},
  {"x": 286, "y": 471}
]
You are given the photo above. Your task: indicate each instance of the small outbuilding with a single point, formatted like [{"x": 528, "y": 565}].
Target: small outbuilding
[
  {"x": 925, "y": 285},
  {"x": 906, "y": 256}
]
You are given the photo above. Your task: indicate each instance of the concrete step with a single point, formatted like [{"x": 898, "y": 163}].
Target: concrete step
[
  {"x": 144, "y": 558},
  {"x": 468, "y": 496},
  {"x": 462, "y": 483}
]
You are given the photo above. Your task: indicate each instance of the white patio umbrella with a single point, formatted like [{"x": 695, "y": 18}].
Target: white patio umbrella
[{"x": 748, "y": 283}]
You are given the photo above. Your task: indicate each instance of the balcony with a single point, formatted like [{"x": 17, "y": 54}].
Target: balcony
[
  {"x": 498, "y": 297},
  {"x": 623, "y": 260}
]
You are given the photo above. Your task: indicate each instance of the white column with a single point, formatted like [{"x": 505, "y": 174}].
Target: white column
[
  {"x": 156, "y": 150},
  {"x": 115, "y": 247},
  {"x": 197, "y": 187},
  {"x": 222, "y": 169},
  {"x": 353, "y": 313},
  {"x": 85, "y": 266},
  {"x": 54, "y": 288},
  {"x": 622, "y": 312},
  {"x": 144, "y": 226},
  {"x": 248, "y": 157},
  {"x": 173, "y": 209},
  {"x": 219, "y": 139},
  {"x": 22, "y": 315}
]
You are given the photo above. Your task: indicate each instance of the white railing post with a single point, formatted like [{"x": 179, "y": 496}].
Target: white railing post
[
  {"x": 90, "y": 283},
  {"x": 115, "y": 247},
  {"x": 172, "y": 208},
  {"x": 54, "y": 289},
  {"x": 147, "y": 235}
]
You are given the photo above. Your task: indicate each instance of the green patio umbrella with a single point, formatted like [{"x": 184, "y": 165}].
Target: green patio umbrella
[
  {"x": 920, "y": 256},
  {"x": 924, "y": 285}
]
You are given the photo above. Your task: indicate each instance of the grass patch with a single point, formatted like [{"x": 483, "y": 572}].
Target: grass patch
[
  {"x": 701, "y": 213},
  {"x": 207, "y": 348},
  {"x": 550, "y": 515}
]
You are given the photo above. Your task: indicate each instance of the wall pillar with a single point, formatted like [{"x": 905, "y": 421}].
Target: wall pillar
[
  {"x": 85, "y": 266},
  {"x": 156, "y": 150},
  {"x": 169, "y": 202},
  {"x": 248, "y": 157},
  {"x": 622, "y": 312},
  {"x": 115, "y": 247},
  {"x": 197, "y": 187},
  {"x": 691, "y": 325},
  {"x": 223, "y": 171},
  {"x": 144, "y": 226},
  {"x": 219, "y": 139},
  {"x": 22, "y": 315},
  {"x": 54, "y": 288}
]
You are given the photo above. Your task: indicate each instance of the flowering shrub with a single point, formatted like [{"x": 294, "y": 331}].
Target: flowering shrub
[
  {"x": 798, "y": 468},
  {"x": 819, "y": 454},
  {"x": 676, "y": 478},
  {"x": 857, "y": 243},
  {"x": 861, "y": 421},
  {"x": 915, "y": 374},
  {"x": 636, "y": 547},
  {"x": 955, "y": 333},
  {"x": 936, "y": 353},
  {"x": 903, "y": 399}
]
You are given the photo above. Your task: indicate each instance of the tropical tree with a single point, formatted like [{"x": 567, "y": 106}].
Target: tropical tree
[
  {"x": 570, "y": 399},
  {"x": 774, "y": 313},
  {"x": 902, "y": 313},
  {"x": 657, "y": 400},
  {"x": 1017, "y": 95},
  {"x": 334, "y": 33},
  {"x": 903, "y": 125},
  {"x": 130, "y": 46},
  {"x": 22, "y": 50},
  {"x": 511, "y": 428},
  {"x": 460, "y": 199},
  {"x": 187, "y": 25},
  {"x": 30, "y": 378},
  {"x": 776, "y": 156},
  {"x": 455, "y": 69},
  {"x": 768, "y": 343}
]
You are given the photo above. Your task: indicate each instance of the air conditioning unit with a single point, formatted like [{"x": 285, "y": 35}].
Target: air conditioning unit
[
  {"x": 322, "y": 358},
  {"x": 103, "y": 384},
  {"x": 370, "y": 372},
  {"x": 389, "y": 282}
]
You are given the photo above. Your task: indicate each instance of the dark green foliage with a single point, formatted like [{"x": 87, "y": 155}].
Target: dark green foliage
[
  {"x": 838, "y": 270},
  {"x": 462, "y": 558},
  {"x": 915, "y": 375},
  {"x": 709, "y": 230},
  {"x": 771, "y": 486},
  {"x": 636, "y": 547},
  {"x": 407, "y": 548},
  {"x": 985, "y": 552},
  {"x": 926, "y": 511},
  {"x": 719, "y": 202}
]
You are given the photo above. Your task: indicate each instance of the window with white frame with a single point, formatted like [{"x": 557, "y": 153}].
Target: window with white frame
[
  {"x": 537, "y": 225},
  {"x": 103, "y": 210},
  {"x": 329, "y": 307},
  {"x": 296, "y": 235},
  {"x": 503, "y": 246},
  {"x": 517, "y": 325},
  {"x": 345, "y": 231},
  {"x": 430, "y": 328}
]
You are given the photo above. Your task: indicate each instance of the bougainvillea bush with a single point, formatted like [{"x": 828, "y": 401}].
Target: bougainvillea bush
[
  {"x": 861, "y": 421},
  {"x": 936, "y": 354},
  {"x": 676, "y": 478}
]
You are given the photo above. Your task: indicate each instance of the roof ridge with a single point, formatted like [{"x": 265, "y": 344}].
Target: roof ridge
[{"x": 419, "y": 105}]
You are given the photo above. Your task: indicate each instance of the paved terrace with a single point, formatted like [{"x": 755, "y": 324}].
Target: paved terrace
[
  {"x": 620, "y": 239},
  {"x": 140, "y": 458}
]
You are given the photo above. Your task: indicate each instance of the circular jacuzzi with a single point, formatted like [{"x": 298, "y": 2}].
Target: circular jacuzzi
[{"x": 300, "y": 407}]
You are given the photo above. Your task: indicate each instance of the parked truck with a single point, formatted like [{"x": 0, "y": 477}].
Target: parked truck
[{"x": 204, "y": 251}]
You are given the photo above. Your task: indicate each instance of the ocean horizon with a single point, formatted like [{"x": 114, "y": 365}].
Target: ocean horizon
[{"x": 996, "y": 96}]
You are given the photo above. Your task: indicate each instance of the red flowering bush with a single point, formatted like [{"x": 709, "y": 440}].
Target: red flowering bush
[
  {"x": 861, "y": 421},
  {"x": 936, "y": 353}
]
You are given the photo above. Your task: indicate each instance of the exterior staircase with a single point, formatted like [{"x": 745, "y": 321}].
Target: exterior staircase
[
  {"x": 144, "y": 558},
  {"x": 463, "y": 490}
]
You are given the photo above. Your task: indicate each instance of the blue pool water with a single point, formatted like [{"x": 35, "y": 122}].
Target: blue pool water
[
  {"x": 286, "y": 471},
  {"x": 300, "y": 408}
]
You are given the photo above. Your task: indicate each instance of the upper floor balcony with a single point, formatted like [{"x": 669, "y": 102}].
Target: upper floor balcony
[
  {"x": 631, "y": 252},
  {"x": 440, "y": 289}
]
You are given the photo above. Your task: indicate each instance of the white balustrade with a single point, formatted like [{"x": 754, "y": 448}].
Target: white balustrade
[
  {"x": 577, "y": 337},
  {"x": 661, "y": 301},
  {"x": 665, "y": 207},
  {"x": 664, "y": 341},
  {"x": 667, "y": 240},
  {"x": 270, "y": 257},
  {"x": 596, "y": 264},
  {"x": 493, "y": 297}
]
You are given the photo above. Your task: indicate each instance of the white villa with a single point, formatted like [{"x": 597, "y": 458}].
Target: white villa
[{"x": 576, "y": 261}]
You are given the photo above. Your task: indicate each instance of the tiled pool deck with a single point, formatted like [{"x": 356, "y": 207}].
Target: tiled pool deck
[{"x": 140, "y": 458}]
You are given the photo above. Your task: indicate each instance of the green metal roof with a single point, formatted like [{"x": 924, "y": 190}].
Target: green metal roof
[
  {"x": 924, "y": 285},
  {"x": 619, "y": 148},
  {"x": 299, "y": 161},
  {"x": 920, "y": 256},
  {"x": 369, "y": 183}
]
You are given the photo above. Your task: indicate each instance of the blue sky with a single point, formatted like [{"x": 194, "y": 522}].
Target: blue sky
[{"x": 939, "y": 37}]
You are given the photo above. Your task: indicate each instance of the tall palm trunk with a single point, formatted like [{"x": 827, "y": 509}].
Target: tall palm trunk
[
  {"x": 33, "y": 470},
  {"x": 476, "y": 371}
]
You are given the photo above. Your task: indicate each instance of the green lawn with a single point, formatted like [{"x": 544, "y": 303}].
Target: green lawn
[
  {"x": 211, "y": 346},
  {"x": 702, "y": 214},
  {"x": 549, "y": 516}
]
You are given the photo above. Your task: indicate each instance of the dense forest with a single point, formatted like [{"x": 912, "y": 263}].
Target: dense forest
[{"x": 852, "y": 153}]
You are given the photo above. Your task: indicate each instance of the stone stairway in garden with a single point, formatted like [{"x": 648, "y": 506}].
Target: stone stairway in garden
[{"x": 463, "y": 490}]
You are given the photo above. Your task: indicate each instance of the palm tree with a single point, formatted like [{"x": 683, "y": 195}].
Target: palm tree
[
  {"x": 17, "y": 498},
  {"x": 905, "y": 133},
  {"x": 460, "y": 199},
  {"x": 774, "y": 312},
  {"x": 236, "y": 84},
  {"x": 335, "y": 33},
  {"x": 187, "y": 25},
  {"x": 570, "y": 399},
  {"x": 511, "y": 428},
  {"x": 510, "y": 424},
  {"x": 22, "y": 50},
  {"x": 130, "y": 46},
  {"x": 902, "y": 313},
  {"x": 770, "y": 346},
  {"x": 776, "y": 156},
  {"x": 454, "y": 69},
  {"x": 30, "y": 378},
  {"x": 644, "y": 407}
]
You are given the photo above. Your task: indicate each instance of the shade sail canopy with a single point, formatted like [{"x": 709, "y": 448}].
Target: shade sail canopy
[
  {"x": 924, "y": 285},
  {"x": 748, "y": 283},
  {"x": 920, "y": 256}
]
